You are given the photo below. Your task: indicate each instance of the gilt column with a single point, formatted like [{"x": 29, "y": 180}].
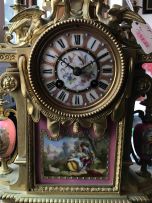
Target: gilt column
[{"x": 2, "y": 21}]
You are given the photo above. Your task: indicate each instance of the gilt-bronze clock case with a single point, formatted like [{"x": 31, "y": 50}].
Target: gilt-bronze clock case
[
  {"x": 76, "y": 69},
  {"x": 72, "y": 75}
]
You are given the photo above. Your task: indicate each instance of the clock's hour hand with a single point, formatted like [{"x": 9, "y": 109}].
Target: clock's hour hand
[
  {"x": 76, "y": 70},
  {"x": 63, "y": 61}
]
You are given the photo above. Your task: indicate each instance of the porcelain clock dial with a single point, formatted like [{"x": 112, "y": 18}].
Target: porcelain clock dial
[{"x": 78, "y": 69}]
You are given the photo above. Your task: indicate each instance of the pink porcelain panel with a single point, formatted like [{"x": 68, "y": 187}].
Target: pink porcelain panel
[{"x": 43, "y": 140}]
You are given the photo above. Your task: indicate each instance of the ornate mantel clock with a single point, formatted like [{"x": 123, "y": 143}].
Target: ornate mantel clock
[{"x": 76, "y": 80}]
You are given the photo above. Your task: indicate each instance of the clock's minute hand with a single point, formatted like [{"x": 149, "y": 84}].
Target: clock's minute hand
[
  {"x": 100, "y": 57},
  {"x": 68, "y": 64}
]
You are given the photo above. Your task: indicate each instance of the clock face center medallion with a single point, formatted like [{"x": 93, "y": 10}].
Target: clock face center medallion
[{"x": 76, "y": 68}]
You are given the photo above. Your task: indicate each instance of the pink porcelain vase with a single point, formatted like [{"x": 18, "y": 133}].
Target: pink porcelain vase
[{"x": 7, "y": 138}]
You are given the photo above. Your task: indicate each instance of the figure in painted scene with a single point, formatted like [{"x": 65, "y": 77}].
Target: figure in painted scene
[{"x": 75, "y": 156}]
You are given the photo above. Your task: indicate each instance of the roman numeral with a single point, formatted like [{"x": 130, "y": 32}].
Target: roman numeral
[
  {"x": 103, "y": 55},
  {"x": 48, "y": 71},
  {"x": 103, "y": 85},
  {"x": 61, "y": 43},
  {"x": 51, "y": 86},
  {"x": 61, "y": 96},
  {"x": 77, "y": 39},
  {"x": 92, "y": 95},
  {"x": 77, "y": 100},
  {"x": 50, "y": 55},
  {"x": 107, "y": 70},
  {"x": 93, "y": 43}
]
